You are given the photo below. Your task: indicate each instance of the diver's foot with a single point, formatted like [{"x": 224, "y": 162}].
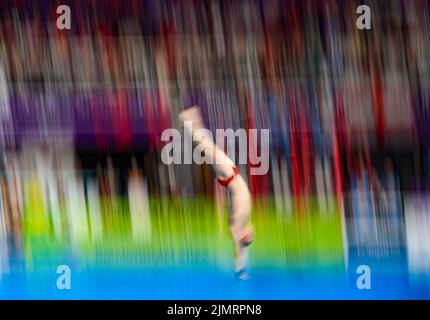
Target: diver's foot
[{"x": 194, "y": 115}]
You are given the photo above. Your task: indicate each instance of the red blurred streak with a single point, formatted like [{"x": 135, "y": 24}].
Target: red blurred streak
[
  {"x": 295, "y": 165},
  {"x": 253, "y": 183},
  {"x": 305, "y": 150},
  {"x": 379, "y": 107},
  {"x": 339, "y": 138},
  {"x": 122, "y": 125}
]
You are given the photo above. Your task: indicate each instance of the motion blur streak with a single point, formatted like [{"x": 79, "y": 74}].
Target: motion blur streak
[{"x": 82, "y": 182}]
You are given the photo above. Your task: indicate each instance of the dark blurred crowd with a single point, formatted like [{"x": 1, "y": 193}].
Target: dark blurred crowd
[
  {"x": 120, "y": 76},
  {"x": 263, "y": 64}
]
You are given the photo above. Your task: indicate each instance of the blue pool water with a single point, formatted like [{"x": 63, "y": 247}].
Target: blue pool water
[{"x": 389, "y": 280}]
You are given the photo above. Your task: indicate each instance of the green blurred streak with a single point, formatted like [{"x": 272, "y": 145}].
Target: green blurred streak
[{"x": 186, "y": 232}]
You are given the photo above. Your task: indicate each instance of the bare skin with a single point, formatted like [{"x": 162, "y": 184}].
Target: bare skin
[{"x": 240, "y": 205}]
